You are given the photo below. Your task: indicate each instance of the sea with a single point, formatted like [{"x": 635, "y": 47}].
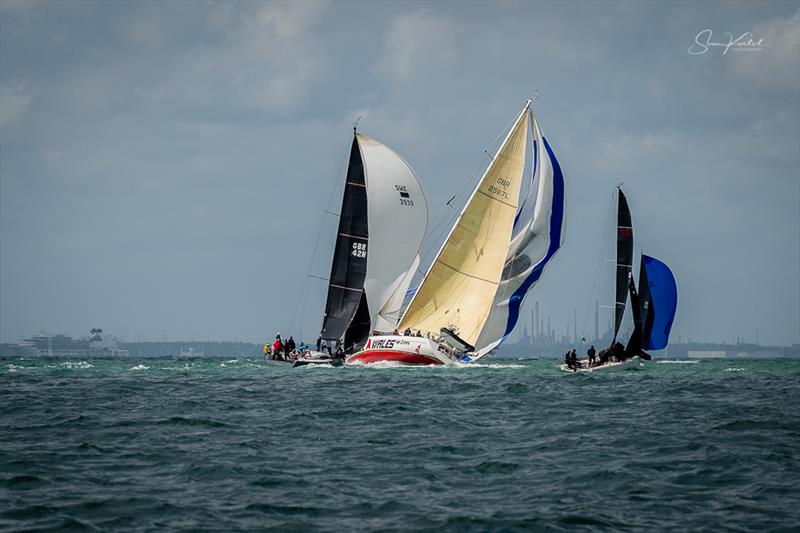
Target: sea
[{"x": 231, "y": 444}]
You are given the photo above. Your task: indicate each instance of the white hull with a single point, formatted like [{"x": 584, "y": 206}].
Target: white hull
[
  {"x": 312, "y": 357},
  {"x": 628, "y": 364}
]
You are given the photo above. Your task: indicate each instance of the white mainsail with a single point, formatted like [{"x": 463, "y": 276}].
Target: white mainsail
[
  {"x": 460, "y": 286},
  {"x": 397, "y": 214},
  {"x": 538, "y": 234}
]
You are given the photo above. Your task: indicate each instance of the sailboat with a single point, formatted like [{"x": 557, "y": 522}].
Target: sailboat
[
  {"x": 382, "y": 223},
  {"x": 470, "y": 298},
  {"x": 653, "y": 306}
]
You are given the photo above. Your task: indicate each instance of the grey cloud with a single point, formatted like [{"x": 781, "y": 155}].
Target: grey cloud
[{"x": 166, "y": 166}]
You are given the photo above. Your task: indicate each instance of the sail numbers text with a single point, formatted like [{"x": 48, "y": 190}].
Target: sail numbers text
[
  {"x": 359, "y": 249},
  {"x": 500, "y": 191},
  {"x": 405, "y": 198}
]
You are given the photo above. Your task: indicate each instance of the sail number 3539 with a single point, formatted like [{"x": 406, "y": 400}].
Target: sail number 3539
[{"x": 405, "y": 197}]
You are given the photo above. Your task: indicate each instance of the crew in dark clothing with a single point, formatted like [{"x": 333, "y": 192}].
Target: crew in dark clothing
[
  {"x": 604, "y": 356},
  {"x": 568, "y": 359},
  {"x": 407, "y": 332},
  {"x": 319, "y": 343},
  {"x": 290, "y": 345},
  {"x": 575, "y": 363},
  {"x": 591, "y": 353}
]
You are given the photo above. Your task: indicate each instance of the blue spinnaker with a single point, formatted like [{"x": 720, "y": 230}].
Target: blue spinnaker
[{"x": 664, "y": 301}]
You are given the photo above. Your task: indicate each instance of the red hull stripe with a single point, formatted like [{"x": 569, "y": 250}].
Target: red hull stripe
[{"x": 405, "y": 358}]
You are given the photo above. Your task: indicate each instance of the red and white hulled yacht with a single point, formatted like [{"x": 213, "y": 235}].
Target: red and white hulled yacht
[{"x": 509, "y": 229}]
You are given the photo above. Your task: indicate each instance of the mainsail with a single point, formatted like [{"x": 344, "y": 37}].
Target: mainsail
[
  {"x": 382, "y": 224},
  {"x": 349, "y": 267},
  {"x": 539, "y": 231},
  {"x": 624, "y": 259},
  {"x": 459, "y": 288}
]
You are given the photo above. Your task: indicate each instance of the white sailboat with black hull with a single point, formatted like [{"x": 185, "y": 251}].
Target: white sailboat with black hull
[
  {"x": 510, "y": 228},
  {"x": 653, "y": 306},
  {"x": 382, "y": 224}
]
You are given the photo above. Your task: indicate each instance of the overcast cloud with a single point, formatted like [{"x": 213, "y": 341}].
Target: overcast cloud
[{"x": 165, "y": 167}]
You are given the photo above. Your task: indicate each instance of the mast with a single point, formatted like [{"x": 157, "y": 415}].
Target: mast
[{"x": 624, "y": 259}]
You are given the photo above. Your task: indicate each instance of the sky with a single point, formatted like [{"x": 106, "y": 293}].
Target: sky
[{"x": 165, "y": 167}]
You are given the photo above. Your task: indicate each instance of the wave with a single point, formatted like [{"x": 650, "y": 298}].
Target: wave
[
  {"x": 734, "y": 369},
  {"x": 492, "y": 365},
  {"x": 139, "y": 367},
  {"x": 386, "y": 364},
  {"x": 674, "y": 362},
  {"x": 186, "y": 366},
  {"x": 71, "y": 365}
]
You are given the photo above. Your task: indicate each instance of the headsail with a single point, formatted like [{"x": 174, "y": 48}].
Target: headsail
[
  {"x": 398, "y": 220},
  {"x": 539, "y": 231},
  {"x": 349, "y": 268},
  {"x": 624, "y": 259},
  {"x": 460, "y": 286},
  {"x": 663, "y": 302}
]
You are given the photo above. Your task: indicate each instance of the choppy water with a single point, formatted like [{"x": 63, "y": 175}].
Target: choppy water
[{"x": 230, "y": 444}]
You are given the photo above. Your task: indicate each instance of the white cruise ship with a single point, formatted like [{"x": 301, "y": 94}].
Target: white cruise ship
[{"x": 61, "y": 345}]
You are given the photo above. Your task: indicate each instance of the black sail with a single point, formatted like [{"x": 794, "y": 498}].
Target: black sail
[
  {"x": 648, "y": 313},
  {"x": 360, "y": 327},
  {"x": 642, "y": 316},
  {"x": 635, "y": 342},
  {"x": 349, "y": 268},
  {"x": 624, "y": 259}
]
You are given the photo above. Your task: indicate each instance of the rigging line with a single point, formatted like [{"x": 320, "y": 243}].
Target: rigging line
[
  {"x": 606, "y": 230},
  {"x": 469, "y": 184},
  {"x": 301, "y": 297}
]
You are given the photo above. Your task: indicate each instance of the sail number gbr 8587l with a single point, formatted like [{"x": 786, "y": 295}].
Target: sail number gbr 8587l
[
  {"x": 405, "y": 198},
  {"x": 502, "y": 193}
]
